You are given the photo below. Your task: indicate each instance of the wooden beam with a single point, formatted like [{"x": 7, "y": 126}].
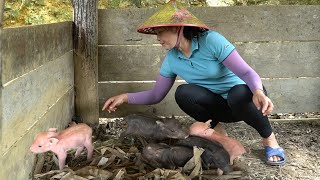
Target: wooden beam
[{"x": 86, "y": 60}]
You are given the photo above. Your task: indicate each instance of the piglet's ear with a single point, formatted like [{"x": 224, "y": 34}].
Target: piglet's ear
[
  {"x": 209, "y": 121},
  {"x": 53, "y": 141},
  {"x": 51, "y": 134},
  {"x": 52, "y": 130}
]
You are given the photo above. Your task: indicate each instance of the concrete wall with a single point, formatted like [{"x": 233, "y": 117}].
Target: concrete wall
[
  {"x": 38, "y": 90},
  {"x": 282, "y": 43}
]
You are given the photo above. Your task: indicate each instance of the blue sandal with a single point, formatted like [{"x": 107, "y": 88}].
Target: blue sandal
[{"x": 275, "y": 152}]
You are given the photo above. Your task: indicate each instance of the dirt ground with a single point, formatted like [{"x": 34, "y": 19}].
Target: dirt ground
[
  {"x": 301, "y": 143},
  {"x": 300, "y": 139}
]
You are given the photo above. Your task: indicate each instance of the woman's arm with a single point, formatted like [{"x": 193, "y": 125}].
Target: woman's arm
[
  {"x": 238, "y": 66},
  {"x": 155, "y": 95}
]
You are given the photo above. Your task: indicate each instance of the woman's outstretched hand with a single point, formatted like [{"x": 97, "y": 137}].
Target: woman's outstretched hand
[
  {"x": 262, "y": 102},
  {"x": 112, "y": 103}
]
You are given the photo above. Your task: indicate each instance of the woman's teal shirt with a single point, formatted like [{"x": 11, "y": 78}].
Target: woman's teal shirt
[{"x": 204, "y": 66}]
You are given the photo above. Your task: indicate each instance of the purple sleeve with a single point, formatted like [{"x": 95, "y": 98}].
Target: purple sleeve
[
  {"x": 238, "y": 66},
  {"x": 155, "y": 95}
]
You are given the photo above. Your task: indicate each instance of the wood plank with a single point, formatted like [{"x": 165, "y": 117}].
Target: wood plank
[
  {"x": 283, "y": 59},
  {"x": 26, "y": 48},
  {"x": 86, "y": 60},
  {"x": 18, "y": 159},
  {"x": 129, "y": 63},
  {"x": 270, "y": 60},
  {"x": 288, "y": 95},
  {"x": 238, "y": 24},
  {"x": 168, "y": 105},
  {"x": 294, "y": 95},
  {"x": 27, "y": 98}
]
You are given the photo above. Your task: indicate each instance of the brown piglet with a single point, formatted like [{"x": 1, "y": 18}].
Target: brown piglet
[{"x": 77, "y": 136}]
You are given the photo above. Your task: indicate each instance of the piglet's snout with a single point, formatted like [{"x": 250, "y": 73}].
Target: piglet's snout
[{"x": 32, "y": 150}]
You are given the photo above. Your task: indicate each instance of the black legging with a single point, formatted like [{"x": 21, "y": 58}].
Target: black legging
[{"x": 202, "y": 105}]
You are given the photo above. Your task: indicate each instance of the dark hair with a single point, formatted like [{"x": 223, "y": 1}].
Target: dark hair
[{"x": 191, "y": 32}]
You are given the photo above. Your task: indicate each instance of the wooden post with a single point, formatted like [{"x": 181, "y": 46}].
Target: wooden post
[
  {"x": 1, "y": 18},
  {"x": 86, "y": 60}
]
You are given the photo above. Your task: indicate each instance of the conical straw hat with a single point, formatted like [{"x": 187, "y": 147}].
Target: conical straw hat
[{"x": 171, "y": 14}]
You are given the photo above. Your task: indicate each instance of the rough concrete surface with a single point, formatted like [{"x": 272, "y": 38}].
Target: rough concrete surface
[
  {"x": 288, "y": 95},
  {"x": 270, "y": 60},
  {"x": 27, "y": 98},
  {"x": 26, "y": 48},
  {"x": 37, "y": 90},
  {"x": 241, "y": 24},
  {"x": 17, "y": 162}
]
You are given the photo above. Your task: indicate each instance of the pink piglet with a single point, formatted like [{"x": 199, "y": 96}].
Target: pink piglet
[
  {"x": 77, "y": 136},
  {"x": 231, "y": 145}
]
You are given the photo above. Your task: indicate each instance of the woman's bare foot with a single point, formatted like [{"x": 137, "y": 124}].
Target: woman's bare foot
[{"x": 272, "y": 142}]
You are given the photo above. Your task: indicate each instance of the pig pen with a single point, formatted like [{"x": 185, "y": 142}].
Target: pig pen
[
  {"x": 115, "y": 160},
  {"x": 40, "y": 80},
  {"x": 285, "y": 55}
]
